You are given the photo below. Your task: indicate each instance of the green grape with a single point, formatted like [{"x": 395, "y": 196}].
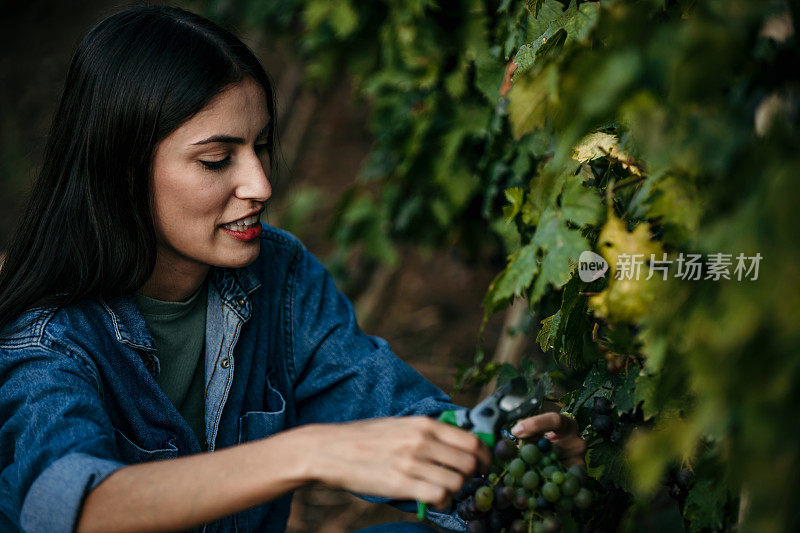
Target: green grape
[
  {"x": 565, "y": 505},
  {"x": 530, "y": 454},
  {"x": 484, "y": 497},
  {"x": 532, "y": 504},
  {"x": 551, "y": 524},
  {"x": 550, "y": 491},
  {"x": 553, "y": 457},
  {"x": 548, "y": 471},
  {"x": 517, "y": 468},
  {"x": 545, "y": 461},
  {"x": 508, "y": 480},
  {"x": 583, "y": 499},
  {"x": 557, "y": 477},
  {"x": 571, "y": 486},
  {"x": 530, "y": 480},
  {"x": 493, "y": 478},
  {"x": 538, "y": 527},
  {"x": 578, "y": 472}
]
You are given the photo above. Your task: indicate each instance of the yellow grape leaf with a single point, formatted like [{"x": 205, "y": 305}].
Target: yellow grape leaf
[
  {"x": 529, "y": 101},
  {"x": 628, "y": 298},
  {"x": 599, "y": 144}
]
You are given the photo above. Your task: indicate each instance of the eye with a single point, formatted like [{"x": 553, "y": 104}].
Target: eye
[{"x": 216, "y": 165}]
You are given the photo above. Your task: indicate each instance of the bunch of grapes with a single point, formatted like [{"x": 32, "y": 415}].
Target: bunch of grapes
[
  {"x": 529, "y": 490},
  {"x": 614, "y": 428},
  {"x": 679, "y": 482}
]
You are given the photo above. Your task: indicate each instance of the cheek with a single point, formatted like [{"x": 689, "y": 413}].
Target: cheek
[{"x": 185, "y": 202}]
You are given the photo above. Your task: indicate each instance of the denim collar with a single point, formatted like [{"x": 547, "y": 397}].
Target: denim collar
[{"x": 233, "y": 285}]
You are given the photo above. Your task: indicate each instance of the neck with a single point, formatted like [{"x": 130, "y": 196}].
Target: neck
[{"x": 174, "y": 281}]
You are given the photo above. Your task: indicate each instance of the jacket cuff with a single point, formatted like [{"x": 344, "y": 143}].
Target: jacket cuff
[{"x": 55, "y": 498}]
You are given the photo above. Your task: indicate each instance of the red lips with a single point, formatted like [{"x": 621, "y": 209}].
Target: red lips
[{"x": 248, "y": 235}]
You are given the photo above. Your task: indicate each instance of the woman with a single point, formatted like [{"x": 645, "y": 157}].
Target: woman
[{"x": 148, "y": 317}]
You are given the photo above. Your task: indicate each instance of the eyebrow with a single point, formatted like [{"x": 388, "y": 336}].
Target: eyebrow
[{"x": 221, "y": 138}]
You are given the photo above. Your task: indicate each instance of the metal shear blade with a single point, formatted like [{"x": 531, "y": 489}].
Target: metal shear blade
[{"x": 509, "y": 403}]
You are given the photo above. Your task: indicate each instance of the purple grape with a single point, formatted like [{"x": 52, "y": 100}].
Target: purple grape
[
  {"x": 542, "y": 503},
  {"x": 463, "y": 493},
  {"x": 467, "y": 510},
  {"x": 503, "y": 496},
  {"x": 496, "y": 522},
  {"x": 476, "y": 526},
  {"x": 519, "y": 526},
  {"x": 521, "y": 502},
  {"x": 602, "y": 405},
  {"x": 544, "y": 445},
  {"x": 505, "y": 450},
  {"x": 463, "y": 511},
  {"x": 603, "y": 424}
]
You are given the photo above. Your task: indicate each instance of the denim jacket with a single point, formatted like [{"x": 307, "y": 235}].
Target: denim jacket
[{"x": 78, "y": 398}]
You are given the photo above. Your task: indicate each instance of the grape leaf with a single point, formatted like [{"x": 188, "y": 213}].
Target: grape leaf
[
  {"x": 515, "y": 197},
  {"x": 625, "y": 395},
  {"x": 593, "y": 385},
  {"x": 528, "y": 54},
  {"x": 580, "y": 204},
  {"x": 560, "y": 247},
  {"x": 530, "y": 101},
  {"x": 517, "y": 276},
  {"x": 548, "y": 334},
  {"x": 704, "y": 507},
  {"x": 534, "y": 6},
  {"x": 644, "y": 394},
  {"x": 600, "y": 144},
  {"x": 629, "y": 298},
  {"x": 608, "y": 462}
]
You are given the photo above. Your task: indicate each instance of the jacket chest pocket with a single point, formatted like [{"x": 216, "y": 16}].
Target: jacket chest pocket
[
  {"x": 255, "y": 425},
  {"x": 132, "y": 453}
]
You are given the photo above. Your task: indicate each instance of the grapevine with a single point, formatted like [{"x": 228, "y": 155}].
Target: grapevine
[{"x": 656, "y": 128}]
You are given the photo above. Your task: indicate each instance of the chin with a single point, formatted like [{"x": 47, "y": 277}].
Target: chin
[{"x": 240, "y": 258}]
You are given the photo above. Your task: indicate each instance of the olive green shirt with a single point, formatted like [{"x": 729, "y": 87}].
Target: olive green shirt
[{"x": 179, "y": 332}]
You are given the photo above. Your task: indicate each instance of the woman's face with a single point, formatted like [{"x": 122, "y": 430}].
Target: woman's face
[{"x": 210, "y": 182}]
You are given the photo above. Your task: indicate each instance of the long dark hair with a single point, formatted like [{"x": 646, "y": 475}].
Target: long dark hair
[{"x": 87, "y": 231}]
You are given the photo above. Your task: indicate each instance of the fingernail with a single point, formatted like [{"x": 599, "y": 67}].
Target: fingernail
[
  {"x": 517, "y": 429},
  {"x": 550, "y": 435}
]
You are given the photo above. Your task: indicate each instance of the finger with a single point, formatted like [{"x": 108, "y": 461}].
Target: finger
[
  {"x": 534, "y": 425},
  {"x": 572, "y": 450},
  {"x": 440, "y": 476},
  {"x": 462, "y": 462},
  {"x": 465, "y": 441},
  {"x": 429, "y": 493}
]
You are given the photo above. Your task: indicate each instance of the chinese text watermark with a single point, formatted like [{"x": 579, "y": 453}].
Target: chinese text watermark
[{"x": 715, "y": 267}]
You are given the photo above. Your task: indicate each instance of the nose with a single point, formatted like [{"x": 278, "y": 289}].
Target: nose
[{"x": 253, "y": 179}]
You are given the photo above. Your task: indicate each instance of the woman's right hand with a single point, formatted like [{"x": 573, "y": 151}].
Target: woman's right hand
[{"x": 414, "y": 458}]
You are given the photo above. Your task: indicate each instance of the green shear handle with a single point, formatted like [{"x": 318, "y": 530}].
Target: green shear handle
[
  {"x": 508, "y": 404},
  {"x": 449, "y": 417}
]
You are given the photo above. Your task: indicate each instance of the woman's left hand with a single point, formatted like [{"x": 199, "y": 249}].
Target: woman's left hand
[{"x": 561, "y": 430}]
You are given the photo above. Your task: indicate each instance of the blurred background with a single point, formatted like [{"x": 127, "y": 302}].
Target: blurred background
[
  {"x": 453, "y": 213},
  {"x": 427, "y": 305}
]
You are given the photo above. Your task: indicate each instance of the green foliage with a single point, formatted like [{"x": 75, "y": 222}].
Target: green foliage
[{"x": 660, "y": 127}]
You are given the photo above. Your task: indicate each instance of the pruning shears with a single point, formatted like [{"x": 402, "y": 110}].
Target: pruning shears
[{"x": 507, "y": 404}]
